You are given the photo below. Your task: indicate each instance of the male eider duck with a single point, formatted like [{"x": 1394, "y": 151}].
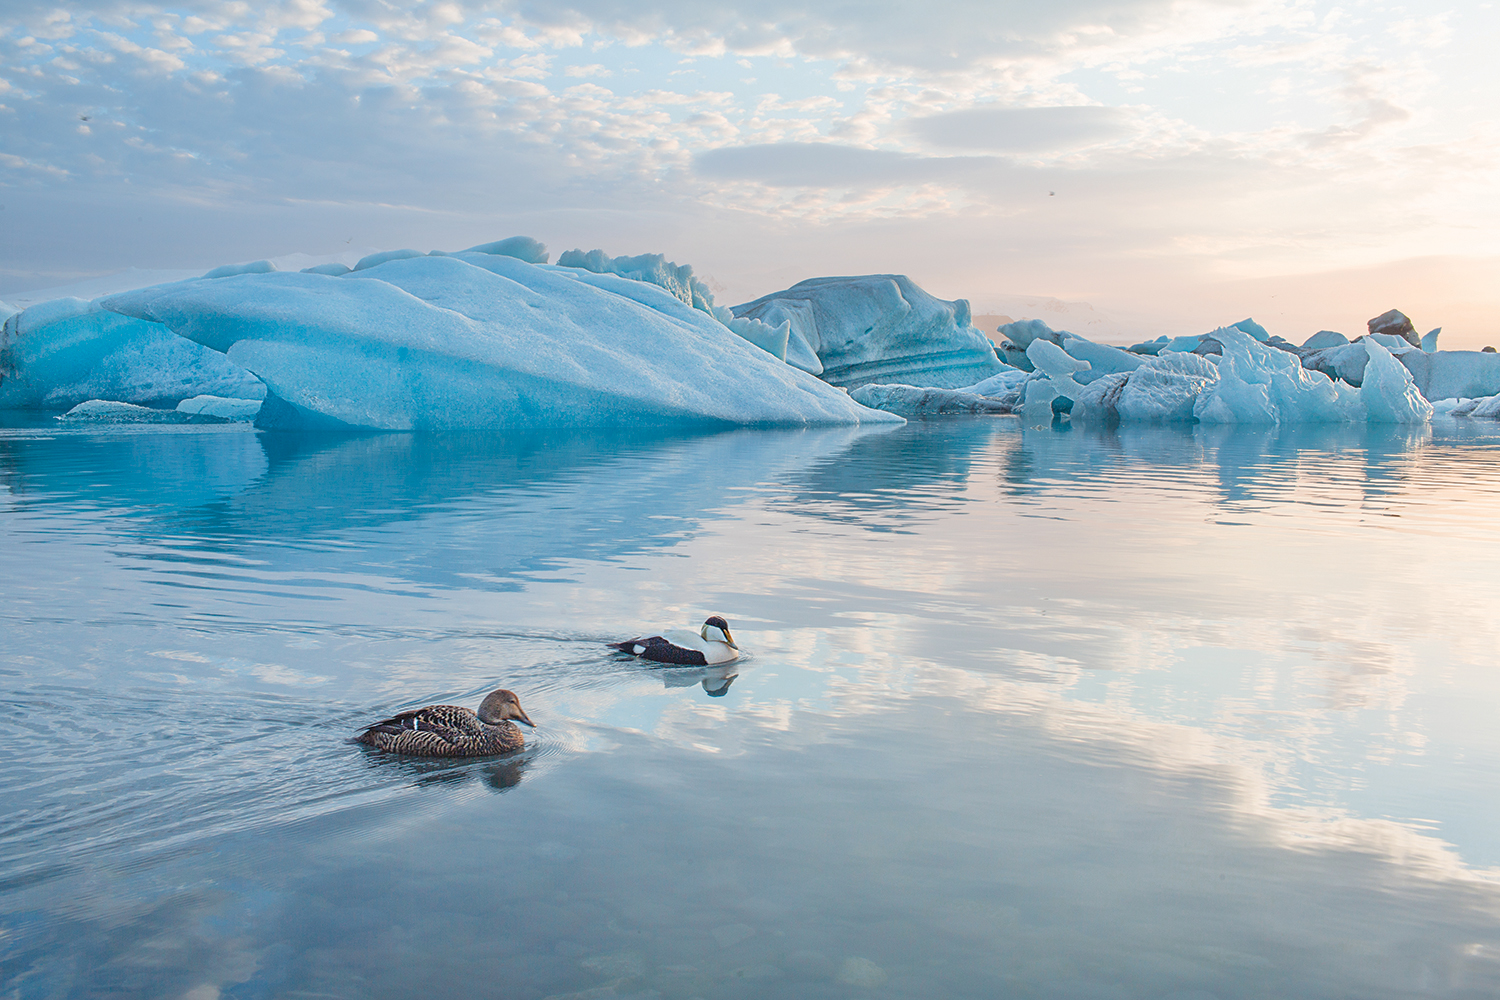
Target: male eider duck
[
  {"x": 452, "y": 731},
  {"x": 710, "y": 644}
]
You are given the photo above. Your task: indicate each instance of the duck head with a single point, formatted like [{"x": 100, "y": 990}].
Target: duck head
[
  {"x": 716, "y": 629},
  {"x": 501, "y": 705}
]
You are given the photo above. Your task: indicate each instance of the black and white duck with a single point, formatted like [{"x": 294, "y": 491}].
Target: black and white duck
[
  {"x": 711, "y": 644},
  {"x": 451, "y": 730}
]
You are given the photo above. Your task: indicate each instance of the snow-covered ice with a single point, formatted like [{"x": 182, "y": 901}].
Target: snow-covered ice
[
  {"x": 880, "y": 328},
  {"x": 476, "y": 340}
]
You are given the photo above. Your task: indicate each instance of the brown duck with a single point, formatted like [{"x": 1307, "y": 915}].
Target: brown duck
[{"x": 451, "y": 730}]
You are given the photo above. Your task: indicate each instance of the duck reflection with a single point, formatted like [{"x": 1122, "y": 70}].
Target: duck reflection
[
  {"x": 715, "y": 680},
  {"x": 498, "y": 773}
]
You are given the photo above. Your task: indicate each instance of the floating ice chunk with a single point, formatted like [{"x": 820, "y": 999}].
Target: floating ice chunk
[
  {"x": 1185, "y": 345},
  {"x": 1345, "y": 361},
  {"x": 1254, "y": 329},
  {"x": 1161, "y": 391},
  {"x": 1263, "y": 385},
  {"x": 1429, "y": 340},
  {"x": 1102, "y": 358},
  {"x": 999, "y": 384},
  {"x": 332, "y": 268},
  {"x": 878, "y": 328},
  {"x": 1388, "y": 394},
  {"x": 911, "y": 401},
  {"x": 109, "y": 411},
  {"x": 1023, "y": 331},
  {"x": 1447, "y": 406},
  {"x": 376, "y": 259},
  {"x": 486, "y": 341},
  {"x": 1324, "y": 339},
  {"x": 57, "y": 354},
  {"x": 520, "y": 247},
  {"x": 219, "y": 406},
  {"x": 1394, "y": 322},
  {"x": 1487, "y": 407},
  {"x": 1447, "y": 374},
  {"x": 1151, "y": 347},
  {"x": 253, "y": 267},
  {"x": 1058, "y": 366},
  {"x": 1040, "y": 395},
  {"x": 1465, "y": 407},
  {"x": 1390, "y": 342}
]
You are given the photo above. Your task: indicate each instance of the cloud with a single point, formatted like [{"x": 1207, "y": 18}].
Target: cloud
[
  {"x": 816, "y": 164},
  {"x": 1020, "y": 130}
]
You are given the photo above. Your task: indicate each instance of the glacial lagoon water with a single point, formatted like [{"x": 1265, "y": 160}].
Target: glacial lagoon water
[{"x": 1180, "y": 713}]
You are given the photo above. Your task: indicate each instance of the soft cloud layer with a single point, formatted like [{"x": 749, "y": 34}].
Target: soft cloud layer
[{"x": 1137, "y": 153}]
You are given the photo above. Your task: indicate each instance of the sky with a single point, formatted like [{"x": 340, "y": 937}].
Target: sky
[{"x": 1174, "y": 164}]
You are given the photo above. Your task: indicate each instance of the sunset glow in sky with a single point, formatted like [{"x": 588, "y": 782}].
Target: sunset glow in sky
[{"x": 1178, "y": 164}]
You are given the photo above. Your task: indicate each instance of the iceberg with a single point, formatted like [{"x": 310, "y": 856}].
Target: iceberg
[
  {"x": 1162, "y": 390},
  {"x": 1262, "y": 385},
  {"x": 484, "y": 341},
  {"x": 879, "y": 328},
  {"x": 1487, "y": 407},
  {"x": 1388, "y": 393},
  {"x": 1102, "y": 358},
  {"x": 63, "y": 352},
  {"x": 1324, "y": 339},
  {"x": 1446, "y": 374},
  {"x": 1251, "y": 383}
]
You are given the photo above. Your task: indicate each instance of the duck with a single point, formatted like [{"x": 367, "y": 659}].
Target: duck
[
  {"x": 452, "y": 730},
  {"x": 711, "y": 644}
]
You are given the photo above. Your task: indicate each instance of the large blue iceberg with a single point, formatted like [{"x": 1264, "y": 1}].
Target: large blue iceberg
[{"x": 483, "y": 340}]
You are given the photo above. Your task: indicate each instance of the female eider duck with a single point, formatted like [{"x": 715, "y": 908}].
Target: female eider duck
[
  {"x": 452, "y": 731},
  {"x": 710, "y": 644}
]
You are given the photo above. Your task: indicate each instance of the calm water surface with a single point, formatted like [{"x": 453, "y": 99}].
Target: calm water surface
[{"x": 1185, "y": 713}]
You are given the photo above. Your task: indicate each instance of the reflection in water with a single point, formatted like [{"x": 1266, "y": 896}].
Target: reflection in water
[
  {"x": 715, "y": 681},
  {"x": 500, "y": 774},
  {"x": 1194, "y": 712}
]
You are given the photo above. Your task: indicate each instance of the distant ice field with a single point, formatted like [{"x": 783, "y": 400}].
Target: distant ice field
[{"x": 1155, "y": 711}]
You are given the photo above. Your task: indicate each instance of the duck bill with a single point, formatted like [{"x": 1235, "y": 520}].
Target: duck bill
[
  {"x": 730, "y": 640},
  {"x": 520, "y": 716}
]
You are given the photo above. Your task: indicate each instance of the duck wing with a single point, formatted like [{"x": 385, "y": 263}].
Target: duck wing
[
  {"x": 660, "y": 649},
  {"x": 447, "y": 722}
]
